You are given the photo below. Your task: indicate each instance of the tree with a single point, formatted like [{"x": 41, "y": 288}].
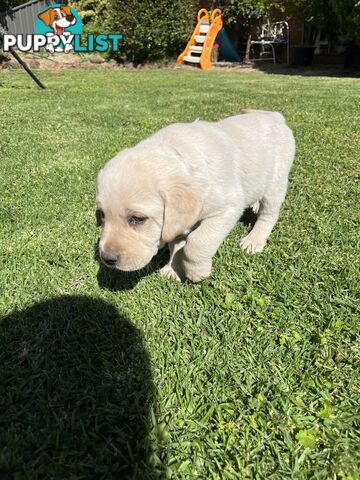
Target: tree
[
  {"x": 330, "y": 15},
  {"x": 248, "y": 11},
  {"x": 347, "y": 14},
  {"x": 313, "y": 12},
  {"x": 6, "y": 5}
]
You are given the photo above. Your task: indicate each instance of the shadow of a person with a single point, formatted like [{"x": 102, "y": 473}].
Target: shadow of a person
[
  {"x": 116, "y": 280},
  {"x": 75, "y": 393}
]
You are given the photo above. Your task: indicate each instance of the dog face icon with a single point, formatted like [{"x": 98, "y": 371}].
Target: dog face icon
[{"x": 58, "y": 18}]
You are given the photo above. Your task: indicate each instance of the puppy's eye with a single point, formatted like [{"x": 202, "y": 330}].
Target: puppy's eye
[
  {"x": 133, "y": 220},
  {"x": 100, "y": 217}
]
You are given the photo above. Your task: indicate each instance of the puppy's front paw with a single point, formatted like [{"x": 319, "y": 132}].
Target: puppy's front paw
[
  {"x": 169, "y": 272},
  {"x": 253, "y": 243},
  {"x": 197, "y": 272}
]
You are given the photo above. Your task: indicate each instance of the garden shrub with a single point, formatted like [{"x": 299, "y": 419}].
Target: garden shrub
[{"x": 151, "y": 30}]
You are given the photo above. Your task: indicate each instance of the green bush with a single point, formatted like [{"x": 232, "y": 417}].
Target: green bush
[
  {"x": 152, "y": 29},
  {"x": 348, "y": 16},
  {"x": 6, "y": 5},
  {"x": 93, "y": 14}
]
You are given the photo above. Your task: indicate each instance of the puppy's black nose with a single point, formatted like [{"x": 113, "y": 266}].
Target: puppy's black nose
[
  {"x": 70, "y": 18},
  {"x": 110, "y": 258}
]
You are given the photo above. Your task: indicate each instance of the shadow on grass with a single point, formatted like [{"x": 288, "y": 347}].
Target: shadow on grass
[
  {"x": 248, "y": 218},
  {"x": 335, "y": 71},
  {"x": 115, "y": 280},
  {"x": 76, "y": 393}
]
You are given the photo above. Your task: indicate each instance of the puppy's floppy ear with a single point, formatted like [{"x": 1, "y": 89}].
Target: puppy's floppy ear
[
  {"x": 99, "y": 214},
  {"x": 66, "y": 10},
  {"x": 99, "y": 217},
  {"x": 45, "y": 16},
  {"x": 182, "y": 210}
]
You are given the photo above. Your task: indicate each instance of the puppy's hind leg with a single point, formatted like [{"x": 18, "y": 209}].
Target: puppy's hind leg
[
  {"x": 256, "y": 240},
  {"x": 274, "y": 196},
  {"x": 268, "y": 215}
]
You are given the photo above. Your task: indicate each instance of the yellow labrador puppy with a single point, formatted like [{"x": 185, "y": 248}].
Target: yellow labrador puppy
[{"x": 187, "y": 185}]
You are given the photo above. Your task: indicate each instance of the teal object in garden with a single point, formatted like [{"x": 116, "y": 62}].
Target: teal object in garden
[{"x": 226, "y": 47}]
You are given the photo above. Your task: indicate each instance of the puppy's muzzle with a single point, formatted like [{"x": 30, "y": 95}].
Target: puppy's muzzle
[{"x": 109, "y": 258}]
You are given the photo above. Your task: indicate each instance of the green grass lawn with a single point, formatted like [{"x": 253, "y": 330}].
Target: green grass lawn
[{"x": 252, "y": 374}]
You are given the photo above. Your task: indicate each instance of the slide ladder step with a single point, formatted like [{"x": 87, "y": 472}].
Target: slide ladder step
[
  {"x": 191, "y": 59},
  {"x": 200, "y": 38},
  {"x": 204, "y": 28},
  {"x": 196, "y": 49}
]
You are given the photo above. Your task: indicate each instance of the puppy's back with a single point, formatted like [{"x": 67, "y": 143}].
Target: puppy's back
[{"x": 275, "y": 115}]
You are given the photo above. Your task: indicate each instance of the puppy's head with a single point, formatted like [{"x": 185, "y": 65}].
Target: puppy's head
[
  {"x": 58, "y": 18},
  {"x": 141, "y": 204}
]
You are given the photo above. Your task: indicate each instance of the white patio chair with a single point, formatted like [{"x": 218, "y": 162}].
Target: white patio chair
[{"x": 272, "y": 35}]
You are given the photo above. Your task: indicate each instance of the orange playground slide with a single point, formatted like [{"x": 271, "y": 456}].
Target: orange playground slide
[{"x": 198, "y": 50}]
